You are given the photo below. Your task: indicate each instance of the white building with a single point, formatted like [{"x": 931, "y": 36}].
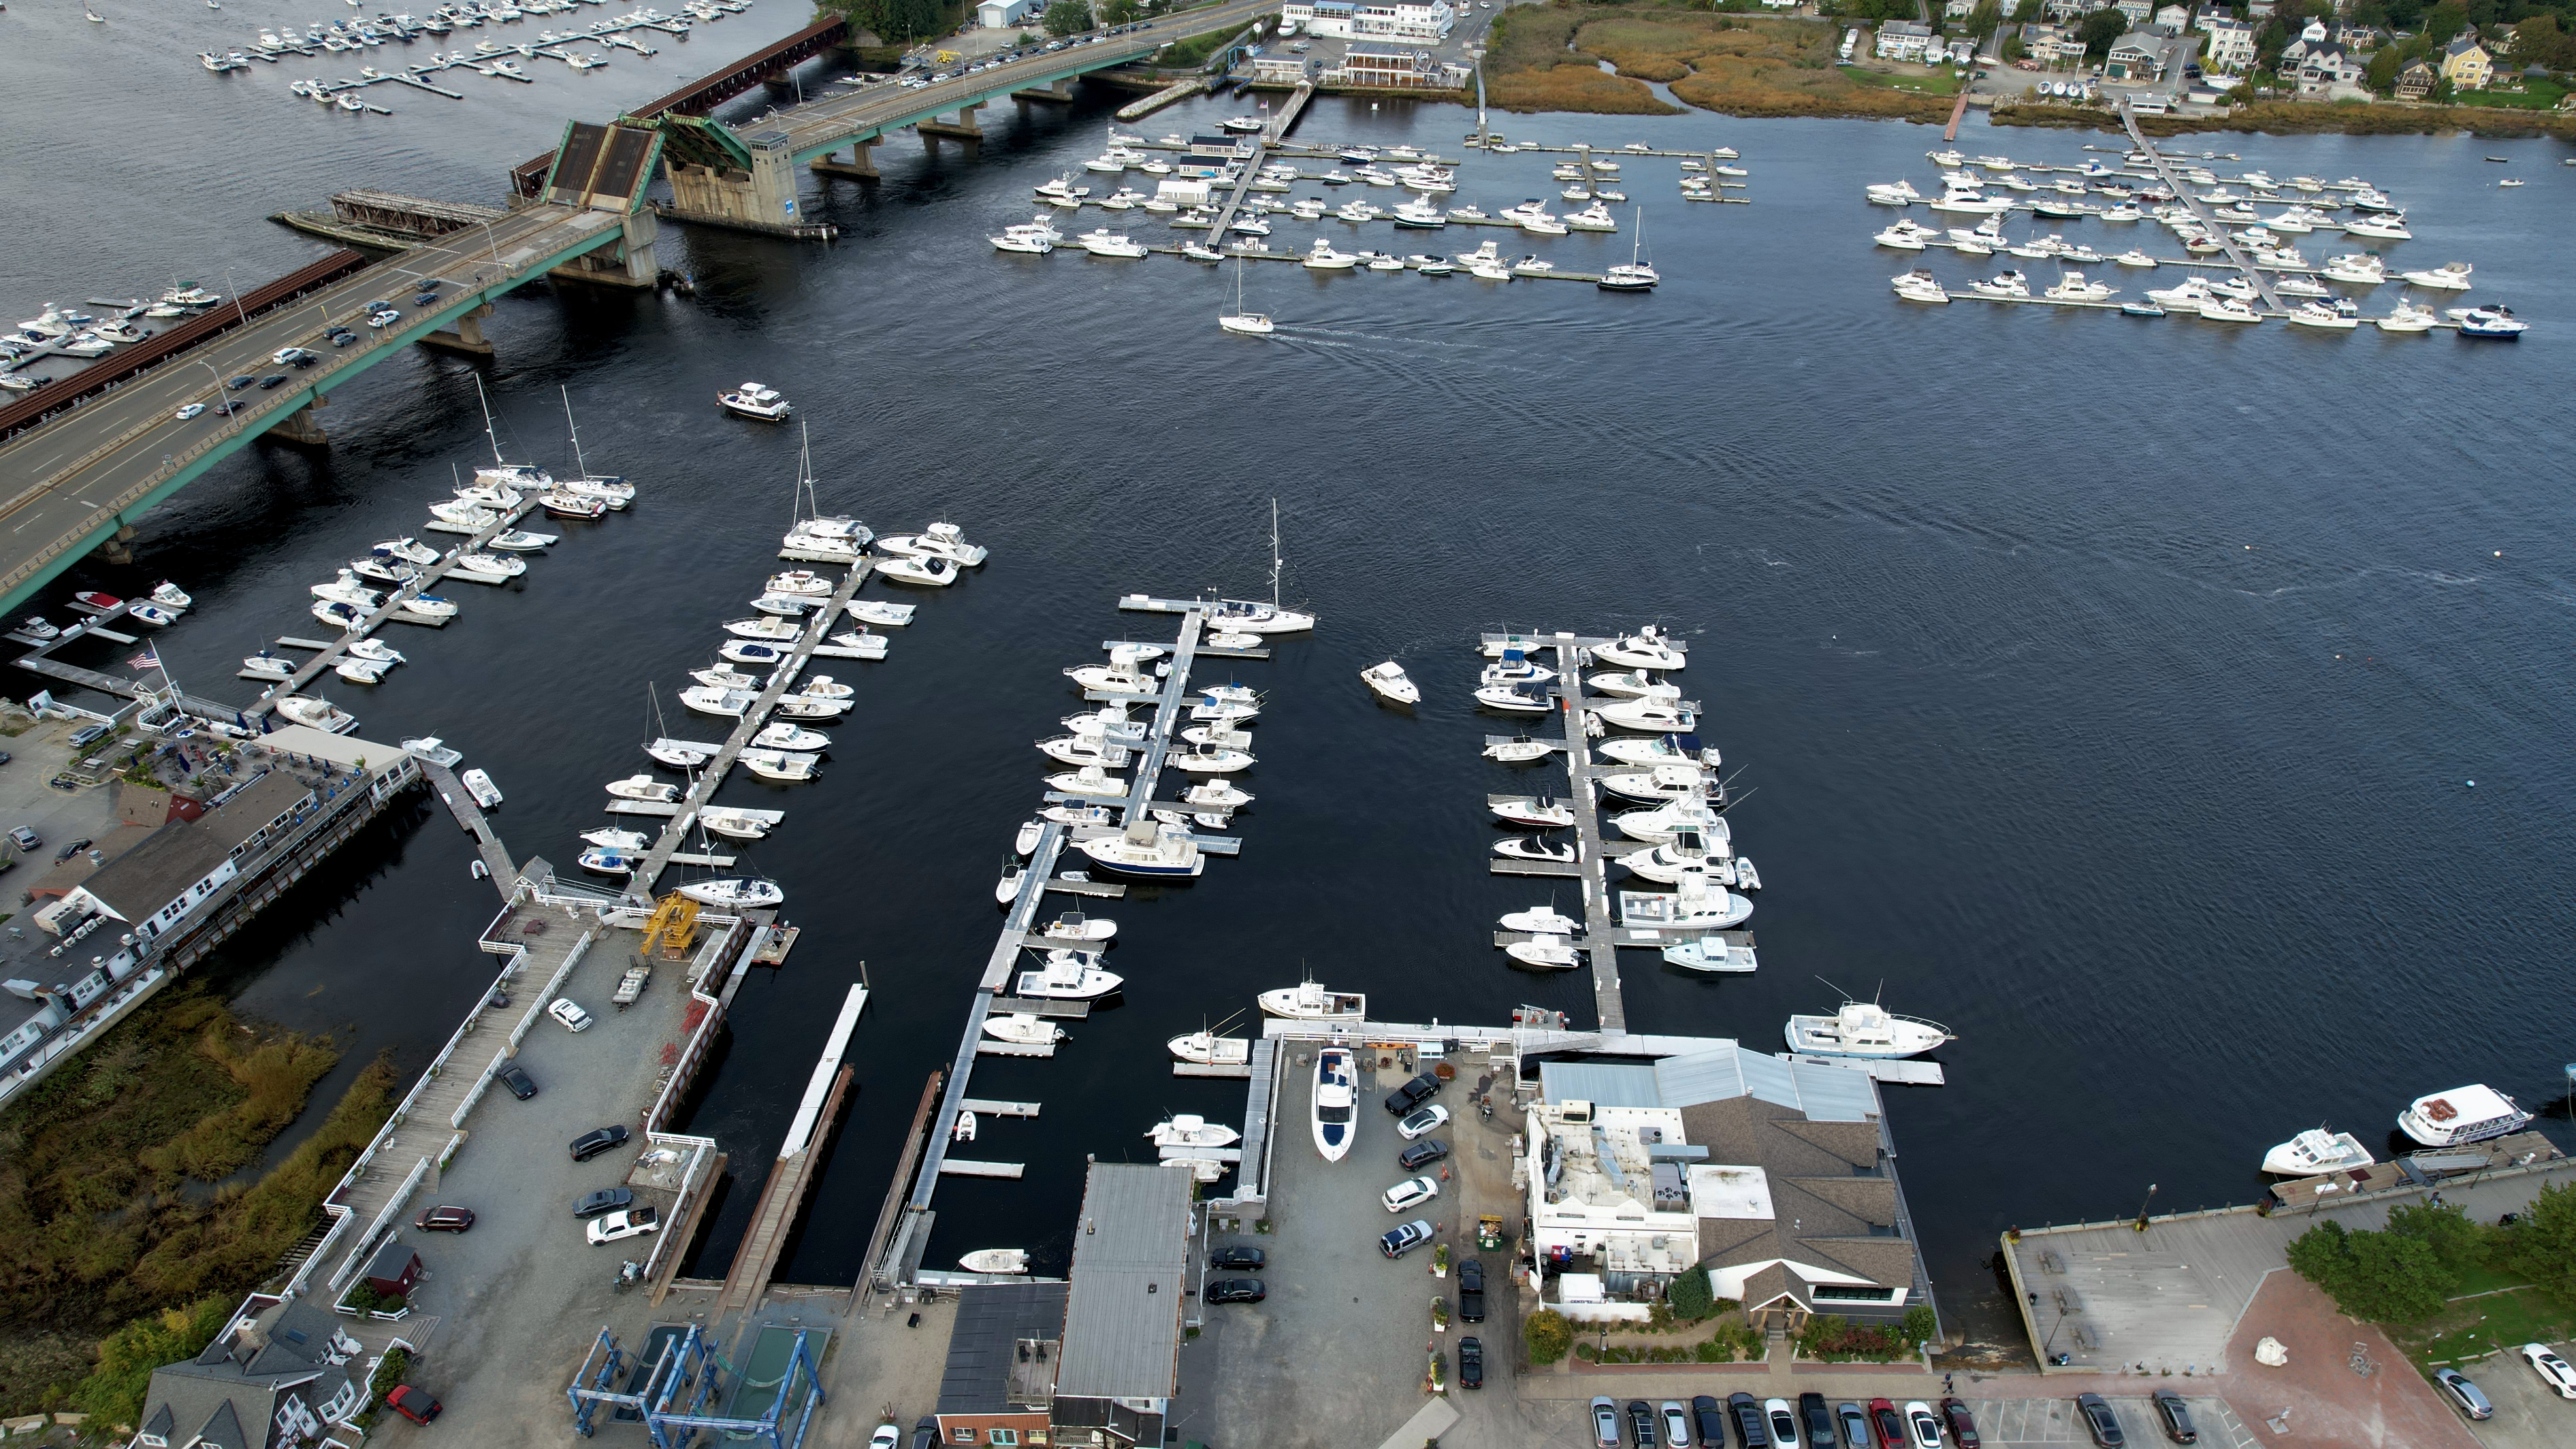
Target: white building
[
  {"x": 2231, "y": 45},
  {"x": 1003, "y": 14},
  {"x": 1358, "y": 20},
  {"x": 1904, "y": 40},
  {"x": 2172, "y": 19}
]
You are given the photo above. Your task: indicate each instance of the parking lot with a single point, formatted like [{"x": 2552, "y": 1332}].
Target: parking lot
[
  {"x": 2528, "y": 1414},
  {"x": 1336, "y": 1355},
  {"x": 520, "y": 1296},
  {"x": 2004, "y": 1423}
]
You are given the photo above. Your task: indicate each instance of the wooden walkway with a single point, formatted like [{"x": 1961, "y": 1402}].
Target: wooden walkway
[
  {"x": 2183, "y": 194},
  {"x": 1599, "y": 928},
  {"x": 710, "y": 777},
  {"x": 781, "y": 1200},
  {"x": 496, "y": 857}
]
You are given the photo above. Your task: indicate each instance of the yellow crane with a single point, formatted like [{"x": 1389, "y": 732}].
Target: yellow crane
[{"x": 674, "y": 926}]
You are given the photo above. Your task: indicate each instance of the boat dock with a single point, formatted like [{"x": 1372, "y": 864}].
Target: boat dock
[
  {"x": 1600, "y": 927},
  {"x": 452, "y": 792},
  {"x": 2182, "y": 193},
  {"x": 782, "y": 1197}
]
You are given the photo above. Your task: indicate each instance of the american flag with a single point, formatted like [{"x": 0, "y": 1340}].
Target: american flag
[{"x": 150, "y": 658}]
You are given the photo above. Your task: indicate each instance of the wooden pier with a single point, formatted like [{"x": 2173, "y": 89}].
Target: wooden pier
[
  {"x": 496, "y": 857},
  {"x": 1572, "y": 654},
  {"x": 2200, "y": 212},
  {"x": 782, "y": 1197}
]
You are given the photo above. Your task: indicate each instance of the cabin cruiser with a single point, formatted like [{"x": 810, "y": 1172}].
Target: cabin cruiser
[
  {"x": 799, "y": 583},
  {"x": 784, "y": 735},
  {"x": 1075, "y": 926},
  {"x": 1920, "y": 285},
  {"x": 1661, "y": 750},
  {"x": 35, "y": 627},
  {"x": 722, "y": 703},
  {"x": 751, "y": 400},
  {"x": 737, "y": 891},
  {"x": 2228, "y": 309},
  {"x": 2072, "y": 287},
  {"x": 1539, "y": 812},
  {"x": 560, "y": 504},
  {"x": 1103, "y": 242},
  {"x": 735, "y": 824},
  {"x": 936, "y": 573},
  {"x": 2407, "y": 318},
  {"x": 1084, "y": 750},
  {"x": 1146, "y": 849},
  {"x": 824, "y": 686},
  {"x": 2361, "y": 269},
  {"x": 1906, "y": 236},
  {"x": 428, "y": 608},
  {"x": 1336, "y": 1099},
  {"x": 1519, "y": 750},
  {"x": 1689, "y": 851},
  {"x": 1524, "y": 698},
  {"x": 880, "y": 613},
  {"x": 2448, "y": 277},
  {"x": 1626, "y": 684},
  {"x": 1069, "y": 975},
  {"x": 806, "y": 706},
  {"x": 1389, "y": 682},
  {"x": 1310, "y": 1001},
  {"x": 462, "y": 517},
  {"x": 1664, "y": 783},
  {"x": 1024, "y": 1028},
  {"x": 487, "y": 568},
  {"x": 768, "y": 628},
  {"x": 939, "y": 540},
  {"x": 1188, "y": 1129},
  {"x": 2324, "y": 318},
  {"x": 320, "y": 714},
  {"x": 1712, "y": 954},
  {"x": 265, "y": 665},
  {"x": 2007, "y": 283},
  {"x": 1542, "y": 921},
  {"x": 723, "y": 678},
  {"x": 1217, "y": 795},
  {"x": 1865, "y": 1029},
  {"x": 1537, "y": 847},
  {"x": 1656, "y": 715},
  {"x": 1648, "y": 648},
  {"x": 2494, "y": 322},
  {"x": 1205, "y": 760},
  {"x": 2316, "y": 1152},
  {"x": 1090, "y": 780},
  {"x": 2461, "y": 1116},
  {"x": 383, "y": 570},
  {"x": 1515, "y": 667},
  {"x": 1694, "y": 904},
  {"x": 1323, "y": 256},
  {"x": 409, "y": 550},
  {"x": 1118, "y": 676}
]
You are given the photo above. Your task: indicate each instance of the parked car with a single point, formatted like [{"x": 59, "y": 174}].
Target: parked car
[
  {"x": 1407, "y": 1193},
  {"x": 1677, "y": 1429},
  {"x": 1396, "y": 1242},
  {"x": 1783, "y": 1423},
  {"x": 1641, "y": 1423},
  {"x": 573, "y": 1017},
  {"x": 2100, "y": 1421},
  {"x": 1883, "y": 1419},
  {"x": 444, "y": 1220},
  {"x": 1411, "y": 1095},
  {"x": 1422, "y": 1154},
  {"x": 887, "y": 1436},
  {"x": 1471, "y": 1363},
  {"x": 606, "y": 1200},
  {"x": 68, "y": 851},
  {"x": 1818, "y": 1419},
  {"x": 1750, "y": 1431},
  {"x": 1417, "y": 1123},
  {"x": 2463, "y": 1395},
  {"x": 592, "y": 1143},
  {"x": 2552, "y": 1369},
  {"x": 517, "y": 1080},
  {"x": 1471, "y": 1291},
  {"x": 1239, "y": 1259},
  {"x": 632, "y": 1223},
  {"x": 1709, "y": 1417},
  {"x": 413, "y": 1404},
  {"x": 1963, "y": 1425},
  {"x": 1235, "y": 1290},
  {"x": 1925, "y": 1426},
  {"x": 925, "y": 1435},
  {"x": 2176, "y": 1416},
  {"x": 1605, "y": 1423},
  {"x": 88, "y": 735},
  {"x": 25, "y": 839},
  {"x": 1855, "y": 1425}
]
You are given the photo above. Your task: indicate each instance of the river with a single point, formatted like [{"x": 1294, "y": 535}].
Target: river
[{"x": 2107, "y": 689}]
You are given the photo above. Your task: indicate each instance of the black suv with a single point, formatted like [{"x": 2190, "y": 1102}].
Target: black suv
[
  {"x": 1422, "y": 1154},
  {"x": 1235, "y": 1290},
  {"x": 2177, "y": 1418},
  {"x": 518, "y": 1081},
  {"x": 1818, "y": 1419},
  {"x": 1711, "y": 1423},
  {"x": 1411, "y": 1095},
  {"x": 592, "y": 1143},
  {"x": 1238, "y": 1259},
  {"x": 1641, "y": 1423},
  {"x": 1471, "y": 1291},
  {"x": 1750, "y": 1431},
  {"x": 606, "y": 1200},
  {"x": 1471, "y": 1363}
]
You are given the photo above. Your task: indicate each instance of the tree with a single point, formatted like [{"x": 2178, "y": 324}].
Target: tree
[
  {"x": 1918, "y": 1325},
  {"x": 127, "y": 1357},
  {"x": 2397, "y": 1276},
  {"x": 2541, "y": 40},
  {"x": 2446, "y": 20},
  {"x": 2459, "y": 1245},
  {"x": 2382, "y": 74},
  {"x": 2026, "y": 12},
  {"x": 2542, "y": 1247},
  {"x": 2101, "y": 30},
  {"x": 1983, "y": 20},
  {"x": 1120, "y": 12},
  {"x": 1067, "y": 17},
  {"x": 1689, "y": 1296},
  {"x": 1547, "y": 1336}
]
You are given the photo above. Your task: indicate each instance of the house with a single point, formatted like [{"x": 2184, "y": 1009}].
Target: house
[
  {"x": 2068, "y": 12},
  {"x": 2260, "y": 9},
  {"x": 2136, "y": 56},
  {"x": 1003, "y": 14},
  {"x": 1002, "y": 1353},
  {"x": 153, "y": 887},
  {"x": 1355, "y": 20},
  {"x": 2326, "y": 68},
  {"x": 1120, "y": 1359},
  {"x": 1279, "y": 69},
  {"x": 1957, "y": 9},
  {"x": 2139, "y": 12},
  {"x": 2309, "y": 40},
  {"x": 2466, "y": 64},
  {"x": 255, "y": 1387},
  {"x": 2357, "y": 37},
  {"x": 1770, "y": 1174},
  {"x": 1963, "y": 51},
  {"x": 1385, "y": 65},
  {"x": 2172, "y": 19},
  {"x": 2230, "y": 45},
  {"x": 1904, "y": 40},
  {"x": 2415, "y": 82}
]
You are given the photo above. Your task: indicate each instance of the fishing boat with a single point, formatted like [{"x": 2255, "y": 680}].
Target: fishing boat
[
  {"x": 1335, "y": 1105},
  {"x": 1542, "y": 921},
  {"x": 780, "y": 766},
  {"x": 799, "y": 583},
  {"x": 1148, "y": 850},
  {"x": 800, "y": 706},
  {"x": 320, "y": 714},
  {"x": 880, "y": 613},
  {"x": 1189, "y": 1129},
  {"x": 1389, "y": 682},
  {"x": 1549, "y": 953},
  {"x": 751, "y": 400},
  {"x": 1310, "y": 1001},
  {"x": 1209, "y": 1049},
  {"x": 1694, "y": 905},
  {"x": 937, "y": 573},
  {"x": 1068, "y": 975},
  {"x": 1090, "y": 780},
  {"x": 1712, "y": 954},
  {"x": 2315, "y": 1152},
  {"x": 1865, "y": 1029},
  {"x": 265, "y": 665},
  {"x": 602, "y": 861},
  {"x": 645, "y": 788},
  {"x": 740, "y": 892},
  {"x": 170, "y": 596},
  {"x": 1519, "y": 750},
  {"x": 610, "y": 838},
  {"x": 995, "y": 1260},
  {"x": 735, "y": 824},
  {"x": 1077, "y": 927},
  {"x": 1666, "y": 821},
  {"x": 1217, "y": 795},
  {"x": 1024, "y": 1028}
]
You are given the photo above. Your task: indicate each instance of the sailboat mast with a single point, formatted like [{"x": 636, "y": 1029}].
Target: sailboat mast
[
  {"x": 487, "y": 421},
  {"x": 1274, "y": 555},
  {"x": 578, "y": 465}
]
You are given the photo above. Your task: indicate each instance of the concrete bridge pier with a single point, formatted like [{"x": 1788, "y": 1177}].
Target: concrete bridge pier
[
  {"x": 964, "y": 128},
  {"x": 761, "y": 199},
  {"x": 466, "y": 338},
  {"x": 119, "y": 548},
  {"x": 1058, "y": 94},
  {"x": 862, "y": 164},
  {"x": 302, "y": 427},
  {"x": 629, "y": 264}
]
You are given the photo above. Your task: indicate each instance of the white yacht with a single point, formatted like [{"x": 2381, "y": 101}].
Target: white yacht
[
  {"x": 2072, "y": 287},
  {"x": 937, "y": 573},
  {"x": 409, "y": 550},
  {"x": 1689, "y": 851},
  {"x": 1538, "y": 812},
  {"x": 1695, "y": 904},
  {"x": 1069, "y": 975},
  {"x": 2324, "y": 318},
  {"x": 1712, "y": 954},
  {"x": 1090, "y": 780},
  {"x": 1309, "y": 1000},
  {"x": 1024, "y": 1028},
  {"x": 751, "y": 400},
  {"x": 1650, "y": 716},
  {"x": 939, "y": 540},
  {"x": 1389, "y": 682},
  {"x": 1335, "y": 1104},
  {"x": 346, "y": 589},
  {"x": 1208, "y": 1048},
  {"x": 736, "y": 824},
  {"x": 1663, "y": 784},
  {"x": 1661, "y": 750},
  {"x": 485, "y": 568},
  {"x": 1920, "y": 285},
  {"x": 722, "y": 703},
  {"x": 1537, "y": 847},
  {"x": 1519, "y": 750},
  {"x": 2316, "y": 1152},
  {"x": 1103, "y": 242},
  {"x": 1865, "y": 1029},
  {"x": 2448, "y": 277},
  {"x": 320, "y": 714},
  {"x": 996, "y": 1261},
  {"x": 880, "y": 613},
  {"x": 1648, "y": 648},
  {"x": 1542, "y": 921},
  {"x": 1188, "y": 1129},
  {"x": 2462, "y": 1115},
  {"x": 1527, "y": 697},
  {"x": 1217, "y": 795},
  {"x": 1323, "y": 256},
  {"x": 740, "y": 892}
]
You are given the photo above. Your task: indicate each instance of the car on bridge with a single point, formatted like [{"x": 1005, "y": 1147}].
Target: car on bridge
[
  {"x": 274, "y": 379},
  {"x": 190, "y": 411},
  {"x": 240, "y": 380},
  {"x": 385, "y": 318},
  {"x": 341, "y": 336}
]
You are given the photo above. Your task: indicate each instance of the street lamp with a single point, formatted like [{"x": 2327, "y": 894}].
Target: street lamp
[
  {"x": 2142, "y": 1207},
  {"x": 237, "y": 301}
]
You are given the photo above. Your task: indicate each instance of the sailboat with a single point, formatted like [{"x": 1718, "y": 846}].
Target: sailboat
[
  {"x": 1250, "y": 324},
  {"x": 1248, "y": 616},
  {"x": 615, "y": 492},
  {"x": 1634, "y": 275}
]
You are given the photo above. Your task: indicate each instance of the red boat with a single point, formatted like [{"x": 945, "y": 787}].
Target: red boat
[{"x": 98, "y": 601}]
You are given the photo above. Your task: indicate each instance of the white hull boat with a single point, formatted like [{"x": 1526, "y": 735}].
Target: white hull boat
[
  {"x": 1650, "y": 716},
  {"x": 1865, "y": 1029},
  {"x": 644, "y": 788},
  {"x": 1663, "y": 783},
  {"x": 1648, "y": 648},
  {"x": 320, "y": 714},
  {"x": 1169, "y": 854},
  {"x": 1520, "y": 750},
  {"x": 1209, "y": 762},
  {"x": 786, "y": 736},
  {"x": 749, "y": 651},
  {"x": 733, "y": 824},
  {"x": 1023, "y": 1028},
  {"x": 936, "y": 573},
  {"x": 1209, "y": 1049},
  {"x": 1217, "y": 795},
  {"x": 2316, "y": 1152},
  {"x": 1661, "y": 750},
  {"x": 1665, "y": 822},
  {"x": 998, "y": 1261},
  {"x": 1389, "y": 682},
  {"x": 939, "y": 540},
  {"x": 1542, "y": 921},
  {"x": 1625, "y": 684},
  {"x": 1515, "y": 698},
  {"x": 1548, "y": 953},
  {"x": 1693, "y": 906},
  {"x": 723, "y": 678},
  {"x": 2462, "y": 1115},
  {"x": 609, "y": 862},
  {"x": 1090, "y": 780},
  {"x": 268, "y": 666},
  {"x": 1524, "y": 847},
  {"x": 630, "y": 841},
  {"x": 1188, "y": 1129},
  {"x": 1310, "y": 1001},
  {"x": 721, "y": 703},
  {"x": 1332, "y": 1113},
  {"x": 1539, "y": 813},
  {"x": 880, "y": 613},
  {"x": 479, "y": 784},
  {"x": 1069, "y": 976},
  {"x": 1076, "y": 927},
  {"x": 737, "y": 892},
  {"x": 1711, "y": 954}
]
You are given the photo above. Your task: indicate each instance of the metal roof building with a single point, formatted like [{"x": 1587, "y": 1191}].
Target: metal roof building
[{"x": 1120, "y": 1360}]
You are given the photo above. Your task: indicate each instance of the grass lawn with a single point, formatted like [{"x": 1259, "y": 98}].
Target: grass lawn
[
  {"x": 2536, "y": 95},
  {"x": 1544, "y": 58},
  {"x": 2473, "y": 1327},
  {"x": 1944, "y": 84}
]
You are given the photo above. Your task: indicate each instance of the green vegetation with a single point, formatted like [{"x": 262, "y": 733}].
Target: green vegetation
[
  {"x": 1689, "y": 1297},
  {"x": 1066, "y": 17},
  {"x": 2536, "y": 95},
  {"x": 1192, "y": 53},
  {"x": 1832, "y": 1337},
  {"x": 899, "y": 22},
  {"x": 127, "y": 1357},
  {"x": 1545, "y": 57},
  {"x": 1533, "y": 64},
  {"x": 115, "y": 1211},
  {"x": 1940, "y": 83},
  {"x": 1547, "y": 1336},
  {"x": 2450, "y": 1289}
]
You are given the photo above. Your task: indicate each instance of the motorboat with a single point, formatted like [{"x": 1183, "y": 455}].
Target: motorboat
[
  {"x": 409, "y": 550},
  {"x": 1515, "y": 667},
  {"x": 1648, "y": 648},
  {"x": 928, "y": 572},
  {"x": 1661, "y": 750},
  {"x": 170, "y": 596},
  {"x": 1865, "y": 1029},
  {"x": 1538, "y": 847},
  {"x": 464, "y": 517},
  {"x": 2360, "y": 269},
  {"x": 346, "y": 589},
  {"x": 784, "y": 606},
  {"x": 339, "y": 614},
  {"x": 2491, "y": 322},
  {"x": 1667, "y": 821},
  {"x": 2322, "y": 317},
  {"x": 783, "y": 735},
  {"x": 383, "y": 570},
  {"x": 1084, "y": 750},
  {"x": 1389, "y": 682},
  {"x": 361, "y": 671},
  {"x": 600, "y": 861},
  {"x": 1519, "y": 750},
  {"x": 500, "y": 497},
  {"x": 880, "y": 613},
  {"x": 644, "y": 788},
  {"x": 2228, "y": 309},
  {"x": 2316, "y": 1152},
  {"x": 35, "y": 627},
  {"x": 611, "y": 838},
  {"x": 151, "y": 614},
  {"x": 1205, "y": 760},
  {"x": 1547, "y": 953},
  {"x": 2390, "y": 227},
  {"x": 806, "y": 706},
  {"x": 735, "y": 824},
  {"x": 1542, "y": 921},
  {"x": 2007, "y": 283},
  {"x": 768, "y": 628},
  {"x": 1626, "y": 684},
  {"x": 313, "y": 713},
  {"x": 1069, "y": 975},
  {"x": 998, "y": 1261},
  {"x": 2407, "y": 317},
  {"x": 1216, "y": 795},
  {"x": 2296, "y": 286},
  {"x": 426, "y": 608},
  {"x": 799, "y": 584},
  {"x": 721, "y": 703},
  {"x": 2462, "y": 1115},
  {"x": 680, "y": 754},
  {"x": 1525, "y": 698},
  {"x": 2072, "y": 287},
  {"x": 824, "y": 686},
  {"x": 1188, "y": 1129},
  {"x": 1323, "y": 256},
  {"x": 265, "y": 665},
  {"x": 1024, "y": 1028},
  {"x": 1090, "y": 780},
  {"x": 1712, "y": 954},
  {"x": 1664, "y": 783},
  {"x": 723, "y": 678},
  {"x": 1209, "y": 1049},
  {"x": 1655, "y": 715},
  {"x": 751, "y": 400},
  {"x": 1077, "y": 927},
  {"x": 1920, "y": 285},
  {"x": 1217, "y": 736},
  {"x": 1335, "y": 1104},
  {"x": 1146, "y": 849},
  {"x": 939, "y": 540},
  {"x": 487, "y": 568},
  {"x": 739, "y": 892},
  {"x": 570, "y": 505},
  {"x": 1536, "y": 812},
  {"x": 750, "y": 651},
  {"x": 1695, "y": 904},
  {"x": 1688, "y": 852},
  {"x": 1310, "y": 1001}
]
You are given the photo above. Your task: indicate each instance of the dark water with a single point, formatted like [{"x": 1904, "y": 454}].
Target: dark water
[{"x": 2106, "y": 689}]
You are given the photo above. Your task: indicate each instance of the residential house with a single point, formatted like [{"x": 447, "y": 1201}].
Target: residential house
[
  {"x": 2230, "y": 46},
  {"x": 2135, "y": 57},
  {"x": 256, "y": 1388},
  {"x": 2260, "y": 9},
  {"x": 2172, "y": 19},
  {"x": 2466, "y": 64},
  {"x": 2358, "y": 38},
  {"x": 1957, "y": 9},
  {"x": 1963, "y": 51},
  {"x": 2415, "y": 82},
  {"x": 2309, "y": 40},
  {"x": 2325, "y": 69},
  {"x": 1903, "y": 40},
  {"x": 1129, "y": 1289},
  {"x": 2139, "y": 12},
  {"x": 2068, "y": 12}
]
